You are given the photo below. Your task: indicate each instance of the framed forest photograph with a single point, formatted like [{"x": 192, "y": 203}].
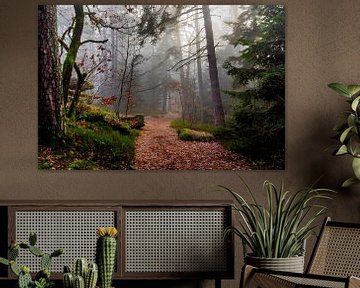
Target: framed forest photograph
[{"x": 161, "y": 87}]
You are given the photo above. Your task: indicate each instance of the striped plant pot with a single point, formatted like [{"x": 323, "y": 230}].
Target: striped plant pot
[{"x": 291, "y": 264}]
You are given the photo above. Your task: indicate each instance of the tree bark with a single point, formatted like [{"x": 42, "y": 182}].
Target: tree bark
[
  {"x": 50, "y": 125},
  {"x": 183, "y": 84},
  {"x": 123, "y": 78},
  {"x": 199, "y": 72},
  {"x": 73, "y": 49},
  {"x": 213, "y": 71}
]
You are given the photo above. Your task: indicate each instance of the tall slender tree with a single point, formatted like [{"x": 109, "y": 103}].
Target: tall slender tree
[
  {"x": 183, "y": 84},
  {"x": 213, "y": 71},
  {"x": 50, "y": 125},
  {"x": 199, "y": 71}
]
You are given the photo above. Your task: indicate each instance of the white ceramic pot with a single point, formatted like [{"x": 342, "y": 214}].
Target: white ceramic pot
[{"x": 291, "y": 264}]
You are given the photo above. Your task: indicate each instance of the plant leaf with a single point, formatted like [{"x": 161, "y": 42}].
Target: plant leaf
[
  {"x": 340, "y": 88},
  {"x": 356, "y": 167},
  {"x": 4, "y": 261},
  {"x": 351, "y": 119},
  {"x": 349, "y": 182},
  {"x": 355, "y": 103},
  {"x": 342, "y": 150},
  {"x": 353, "y": 89},
  {"x": 345, "y": 134}
]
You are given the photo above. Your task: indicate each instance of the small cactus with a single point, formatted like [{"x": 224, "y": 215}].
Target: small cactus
[
  {"x": 14, "y": 268},
  {"x": 23, "y": 273},
  {"x": 79, "y": 282},
  {"x": 13, "y": 253},
  {"x": 43, "y": 274},
  {"x": 24, "y": 280},
  {"x": 84, "y": 275},
  {"x": 57, "y": 252},
  {"x": 106, "y": 254},
  {"x": 45, "y": 261},
  {"x": 36, "y": 251},
  {"x": 80, "y": 268},
  {"x": 91, "y": 276},
  {"x": 32, "y": 238},
  {"x": 68, "y": 280}
]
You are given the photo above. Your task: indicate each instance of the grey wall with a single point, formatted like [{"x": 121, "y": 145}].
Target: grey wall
[{"x": 323, "y": 46}]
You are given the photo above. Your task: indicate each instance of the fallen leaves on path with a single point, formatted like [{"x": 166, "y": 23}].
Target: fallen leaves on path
[{"x": 159, "y": 148}]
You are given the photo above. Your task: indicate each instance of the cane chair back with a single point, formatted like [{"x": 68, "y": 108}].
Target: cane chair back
[
  {"x": 335, "y": 262},
  {"x": 337, "y": 252}
]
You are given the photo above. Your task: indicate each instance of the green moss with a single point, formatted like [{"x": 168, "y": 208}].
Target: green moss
[
  {"x": 193, "y": 135},
  {"x": 179, "y": 124},
  {"x": 94, "y": 140}
]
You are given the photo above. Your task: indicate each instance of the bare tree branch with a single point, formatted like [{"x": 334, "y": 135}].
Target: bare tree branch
[{"x": 94, "y": 41}]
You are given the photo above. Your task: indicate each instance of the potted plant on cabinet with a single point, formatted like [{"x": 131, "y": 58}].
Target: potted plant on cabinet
[
  {"x": 349, "y": 132},
  {"x": 42, "y": 278},
  {"x": 276, "y": 233}
]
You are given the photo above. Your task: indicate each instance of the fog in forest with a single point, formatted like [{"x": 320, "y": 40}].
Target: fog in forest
[{"x": 157, "y": 63}]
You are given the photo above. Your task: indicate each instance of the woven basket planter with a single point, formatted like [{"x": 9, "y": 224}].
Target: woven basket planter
[{"x": 291, "y": 264}]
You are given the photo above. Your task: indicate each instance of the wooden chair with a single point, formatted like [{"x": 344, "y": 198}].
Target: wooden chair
[{"x": 334, "y": 263}]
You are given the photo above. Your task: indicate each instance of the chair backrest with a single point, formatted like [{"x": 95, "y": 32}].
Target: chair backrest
[{"x": 337, "y": 251}]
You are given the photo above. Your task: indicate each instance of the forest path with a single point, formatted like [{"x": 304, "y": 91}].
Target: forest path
[{"x": 158, "y": 147}]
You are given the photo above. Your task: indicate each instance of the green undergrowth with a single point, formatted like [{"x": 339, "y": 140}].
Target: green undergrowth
[
  {"x": 245, "y": 141},
  {"x": 193, "y": 135},
  {"x": 209, "y": 131},
  {"x": 94, "y": 140},
  {"x": 180, "y": 124}
]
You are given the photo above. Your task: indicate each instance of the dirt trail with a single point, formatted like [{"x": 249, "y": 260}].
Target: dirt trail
[{"x": 158, "y": 147}]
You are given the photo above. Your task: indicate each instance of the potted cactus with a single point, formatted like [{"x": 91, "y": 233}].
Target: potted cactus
[
  {"x": 106, "y": 254},
  {"x": 42, "y": 278},
  {"x": 84, "y": 275}
]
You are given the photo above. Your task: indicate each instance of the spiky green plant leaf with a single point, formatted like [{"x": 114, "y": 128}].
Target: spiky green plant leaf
[
  {"x": 341, "y": 89},
  {"x": 280, "y": 228}
]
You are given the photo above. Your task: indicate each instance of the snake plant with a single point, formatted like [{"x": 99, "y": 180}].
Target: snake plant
[{"x": 279, "y": 228}]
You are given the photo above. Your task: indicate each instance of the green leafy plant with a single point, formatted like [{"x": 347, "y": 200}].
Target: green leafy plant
[
  {"x": 42, "y": 278},
  {"x": 279, "y": 229},
  {"x": 349, "y": 132}
]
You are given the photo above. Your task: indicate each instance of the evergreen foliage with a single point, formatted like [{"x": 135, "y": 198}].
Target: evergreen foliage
[{"x": 258, "y": 116}]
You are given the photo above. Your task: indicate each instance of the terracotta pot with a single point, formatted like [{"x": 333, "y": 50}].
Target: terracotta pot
[{"x": 291, "y": 264}]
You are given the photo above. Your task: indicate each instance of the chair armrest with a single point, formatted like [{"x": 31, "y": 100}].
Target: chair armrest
[
  {"x": 354, "y": 282},
  {"x": 252, "y": 277}
]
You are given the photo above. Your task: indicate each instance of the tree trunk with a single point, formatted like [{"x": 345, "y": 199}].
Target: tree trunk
[
  {"x": 199, "y": 72},
  {"x": 80, "y": 83},
  {"x": 184, "y": 110},
  {"x": 50, "y": 123},
  {"x": 131, "y": 79},
  {"x": 165, "y": 102},
  {"x": 213, "y": 71},
  {"x": 123, "y": 78},
  {"x": 73, "y": 49}
]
